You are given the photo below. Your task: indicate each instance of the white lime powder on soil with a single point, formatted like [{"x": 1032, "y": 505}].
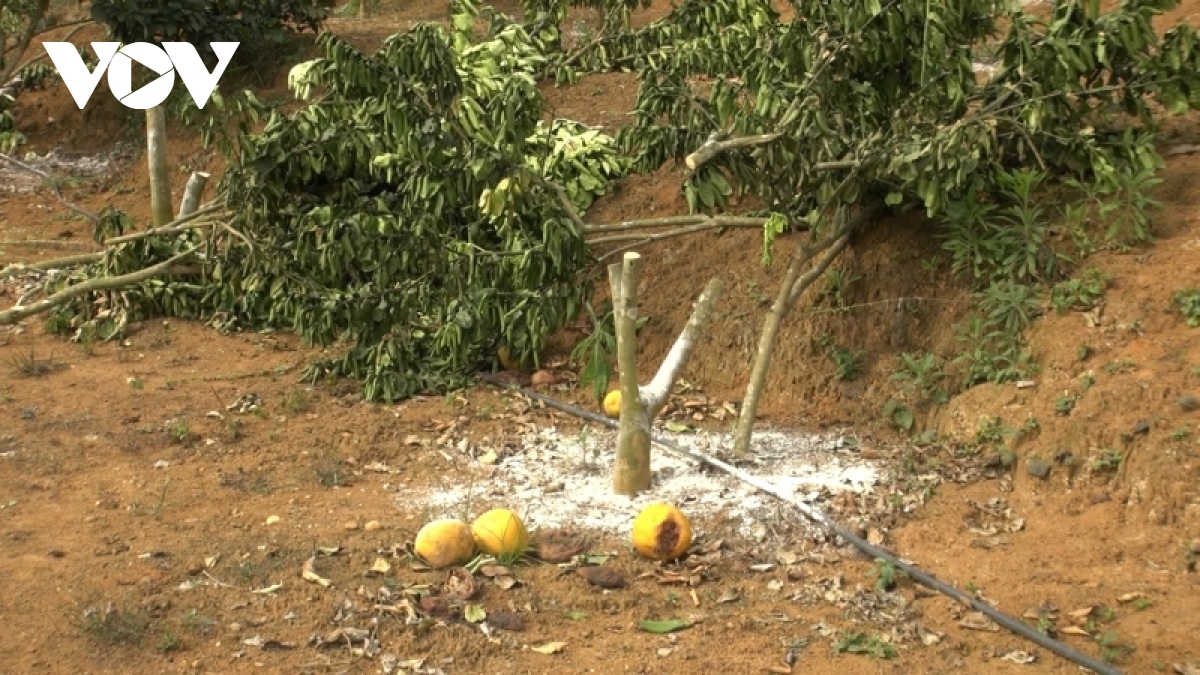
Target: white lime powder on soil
[{"x": 555, "y": 479}]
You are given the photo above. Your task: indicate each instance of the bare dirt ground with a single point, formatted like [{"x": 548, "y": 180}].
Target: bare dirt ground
[{"x": 134, "y": 531}]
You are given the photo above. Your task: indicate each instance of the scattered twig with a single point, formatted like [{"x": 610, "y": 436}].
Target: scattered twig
[{"x": 53, "y": 186}]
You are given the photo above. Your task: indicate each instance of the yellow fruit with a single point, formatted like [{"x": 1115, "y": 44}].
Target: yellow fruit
[
  {"x": 612, "y": 403},
  {"x": 500, "y": 532},
  {"x": 661, "y": 532},
  {"x": 445, "y": 543}
]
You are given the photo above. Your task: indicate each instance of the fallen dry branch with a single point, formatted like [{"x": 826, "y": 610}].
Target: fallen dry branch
[
  {"x": 15, "y": 314},
  {"x": 832, "y": 527}
]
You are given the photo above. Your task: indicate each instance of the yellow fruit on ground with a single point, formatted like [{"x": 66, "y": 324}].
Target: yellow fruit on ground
[
  {"x": 500, "y": 532},
  {"x": 612, "y": 403},
  {"x": 661, "y": 532},
  {"x": 445, "y": 543}
]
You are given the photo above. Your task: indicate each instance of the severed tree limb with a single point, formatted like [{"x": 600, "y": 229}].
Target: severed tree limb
[
  {"x": 174, "y": 227},
  {"x": 46, "y": 265},
  {"x": 718, "y": 221},
  {"x": 714, "y": 146},
  {"x": 53, "y": 187},
  {"x": 191, "y": 193},
  {"x": 789, "y": 291},
  {"x": 44, "y": 243},
  {"x": 655, "y": 394},
  {"x": 658, "y": 236},
  {"x": 15, "y": 314}
]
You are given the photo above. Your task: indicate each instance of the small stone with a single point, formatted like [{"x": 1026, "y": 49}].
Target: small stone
[
  {"x": 350, "y": 525},
  {"x": 1037, "y": 468},
  {"x": 235, "y": 627},
  {"x": 1141, "y": 426},
  {"x": 1188, "y": 402},
  {"x": 372, "y": 525},
  {"x": 489, "y": 458},
  {"x": 271, "y": 520}
]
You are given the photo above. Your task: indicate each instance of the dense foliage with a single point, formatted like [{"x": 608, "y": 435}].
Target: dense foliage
[
  {"x": 419, "y": 210},
  {"x": 403, "y": 211}
]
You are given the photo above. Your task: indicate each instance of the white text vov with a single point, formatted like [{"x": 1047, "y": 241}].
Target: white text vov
[{"x": 171, "y": 58}]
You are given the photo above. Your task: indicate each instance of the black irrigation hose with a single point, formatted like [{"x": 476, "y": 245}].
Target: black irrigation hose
[{"x": 830, "y": 526}]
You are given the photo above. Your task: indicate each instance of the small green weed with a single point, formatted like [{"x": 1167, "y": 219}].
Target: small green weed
[
  {"x": 1063, "y": 405},
  {"x": 867, "y": 645},
  {"x": 1081, "y": 293},
  {"x": 1187, "y": 300},
  {"x": 848, "y": 362},
  {"x": 1109, "y": 460},
  {"x": 921, "y": 375},
  {"x": 113, "y": 625}
]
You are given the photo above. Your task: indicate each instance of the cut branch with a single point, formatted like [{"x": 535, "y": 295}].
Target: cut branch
[
  {"x": 655, "y": 394},
  {"x": 15, "y": 314},
  {"x": 713, "y": 147},
  {"x": 180, "y": 224},
  {"x": 46, "y": 265},
  {"x": 191, "y": 193},
  {"x": 670, "y": 221}
]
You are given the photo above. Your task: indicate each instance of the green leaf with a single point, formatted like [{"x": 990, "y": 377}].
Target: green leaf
[
  {"x": 663, "y": 626},
  {"x": 474, "y": 613}
]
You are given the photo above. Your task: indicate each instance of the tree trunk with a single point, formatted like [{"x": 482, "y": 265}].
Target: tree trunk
[
  {"x": 160, "y": 175},
  {"x": 789, "y": 291},
  {"x": 631, "y": 473}
]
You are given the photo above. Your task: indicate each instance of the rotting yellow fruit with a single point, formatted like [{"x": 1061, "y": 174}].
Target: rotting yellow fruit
[
  {"x": 661, "y": 532},
  {"x": 612, "y": 403},
  {"x": 500, "y": 532},
  {"x": 444, "y": 543}
]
